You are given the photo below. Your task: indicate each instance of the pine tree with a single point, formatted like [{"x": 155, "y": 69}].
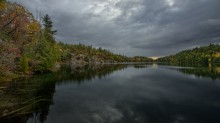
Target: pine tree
[{"x": 48, "y": 29}]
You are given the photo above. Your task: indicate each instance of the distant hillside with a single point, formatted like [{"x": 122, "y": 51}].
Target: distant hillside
[{"x": 205, "y": 54}]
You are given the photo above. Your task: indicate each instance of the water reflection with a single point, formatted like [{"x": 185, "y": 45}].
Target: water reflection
[
  {"x": 21, "y": 100},
  {"x": 200, "y": 70},
  {"x": 114, "y": 94}
]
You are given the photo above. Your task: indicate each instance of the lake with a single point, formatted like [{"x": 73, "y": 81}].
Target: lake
[{"x": 141, "y": 93}]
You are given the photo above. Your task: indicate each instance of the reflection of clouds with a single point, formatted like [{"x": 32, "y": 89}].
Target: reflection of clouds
[
  {"x": 107, "y": 113},
  {"x": 97, "y": 118},
  {"x": 98, "y": 112},
  {"x": 112, "y": 113},
  {"x": 137, "y": 95},
  {"x": 178, "y": 119}
]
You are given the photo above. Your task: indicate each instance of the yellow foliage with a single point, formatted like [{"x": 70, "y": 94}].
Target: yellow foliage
[
  {"x": 217, "y": 55},
  {"x": 217, "y": 69},
  {"x": 2, "y": 6},
  {"x": 33, "y": 27},
  {"x": 33, "y": 30}
]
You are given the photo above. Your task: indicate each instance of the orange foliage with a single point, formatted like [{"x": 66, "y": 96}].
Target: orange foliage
[{"x": 13, "y": 22}]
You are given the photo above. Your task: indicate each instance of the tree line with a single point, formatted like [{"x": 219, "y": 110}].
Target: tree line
[{"x": 204, "y": 55}]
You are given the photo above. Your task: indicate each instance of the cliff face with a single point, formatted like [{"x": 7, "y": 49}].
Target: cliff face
[{"x": 83, "y": 59}]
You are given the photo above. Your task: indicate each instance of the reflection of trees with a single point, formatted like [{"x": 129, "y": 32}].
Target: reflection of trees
[
  {"x": 196, "y": 65},
  {"x": 201, "y": 70},
  {"x": 31, "y": 98},
  {"x": 140, "y": 66}
]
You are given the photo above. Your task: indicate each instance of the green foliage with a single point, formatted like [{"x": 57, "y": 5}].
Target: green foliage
[
  {"x": 45, "y": 57},
  {"x": 203, "y": 54},
  {"x": 141, "y": 59},
  {"x": 99, "y": 54},
  {"x": 24, "y": 64},
  {"x": 48, "y": 29},
  {"x": 43, "y": 54}
]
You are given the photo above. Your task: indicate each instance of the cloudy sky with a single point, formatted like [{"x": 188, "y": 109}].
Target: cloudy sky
[{"x": 133, "y": 27}]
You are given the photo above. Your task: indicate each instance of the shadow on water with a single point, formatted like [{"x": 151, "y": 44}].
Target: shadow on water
[{"x": 31, "y": 98}]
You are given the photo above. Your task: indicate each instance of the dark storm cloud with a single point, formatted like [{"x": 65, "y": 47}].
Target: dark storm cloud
[{"x": 134, "y": 27}]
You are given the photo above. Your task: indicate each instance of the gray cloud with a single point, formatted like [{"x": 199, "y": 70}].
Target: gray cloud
[{"x": 133, "y": 27}]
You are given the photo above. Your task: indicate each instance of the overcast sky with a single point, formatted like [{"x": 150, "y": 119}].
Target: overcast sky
[{"x": 133, "y": 27}]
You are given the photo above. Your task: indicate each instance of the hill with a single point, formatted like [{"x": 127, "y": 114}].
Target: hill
[{"x": 205, "y": 54}]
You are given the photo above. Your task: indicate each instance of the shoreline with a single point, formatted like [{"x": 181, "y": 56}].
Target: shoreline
[{"x": 14, "y": 76}]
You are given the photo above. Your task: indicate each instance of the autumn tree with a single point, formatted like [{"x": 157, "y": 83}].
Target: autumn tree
[{"x": 13, "y": 21}]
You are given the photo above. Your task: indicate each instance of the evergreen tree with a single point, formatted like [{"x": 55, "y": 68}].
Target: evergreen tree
[{"x": 48, "y": 29}]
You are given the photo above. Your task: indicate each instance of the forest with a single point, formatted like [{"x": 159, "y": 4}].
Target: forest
[
  {"x": 202, "y": 55},
  {"x": 28, "y": 46}
]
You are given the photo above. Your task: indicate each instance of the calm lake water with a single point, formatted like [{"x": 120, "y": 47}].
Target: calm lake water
[{"x": 115, "y": 94}]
